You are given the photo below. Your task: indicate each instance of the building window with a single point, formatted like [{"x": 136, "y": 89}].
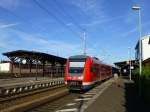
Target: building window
[{"x": 149, "y": 41}]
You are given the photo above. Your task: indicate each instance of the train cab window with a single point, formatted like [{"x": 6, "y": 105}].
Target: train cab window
[
  {"x": 76, "y": 67},
  {"x": 73, "y": 70}
]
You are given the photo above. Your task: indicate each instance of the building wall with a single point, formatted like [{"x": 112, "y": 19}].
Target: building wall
[
  {"x": 7, "y": 68},
  {"x": 4, "y": 67},
  {"x": 146, "y": 48}
]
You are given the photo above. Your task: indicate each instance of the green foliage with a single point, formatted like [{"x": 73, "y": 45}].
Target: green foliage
[
  {"x": 145, "y": 81},
  {"x": 135, "y": 76}
]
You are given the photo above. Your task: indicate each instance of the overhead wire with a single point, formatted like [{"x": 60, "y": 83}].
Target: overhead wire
[
  {"x": 50, "y": 14},
  {"x": 59, "y": 6},
  {"x": 55, "y": 17},
  {"x": 61, "y": 10}
]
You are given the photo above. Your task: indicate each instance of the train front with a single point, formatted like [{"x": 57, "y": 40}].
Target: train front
[{"x": 75, "y": 72}]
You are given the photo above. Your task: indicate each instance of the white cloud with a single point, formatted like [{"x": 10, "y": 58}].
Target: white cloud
[
  {"x": 129, "y": 32},
  {"x": 96, "y": 22},
  {"x": 7, "y": 25},
  {"x": 92, "y": 8},
  {"x": 55, "y": 46},
  {"x": 39, "y": 43},
  {"x": 69, "y": 24},
  {"x": 135, "y": 29}
]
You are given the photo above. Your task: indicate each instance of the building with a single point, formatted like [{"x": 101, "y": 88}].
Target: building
[
  {"x": 146, "y": 62},
  {"x": 5, "y": 66},
  {"x": 145, "y": 41},
  {"x": 31, "y": 63}
]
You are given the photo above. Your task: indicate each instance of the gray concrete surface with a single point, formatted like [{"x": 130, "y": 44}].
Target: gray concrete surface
[
  {"x": 27, "y": 80},
  {"x": 121, "y": 96}
]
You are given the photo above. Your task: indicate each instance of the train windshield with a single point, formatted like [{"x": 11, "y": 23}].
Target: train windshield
[{"x": 76, "y": 67}]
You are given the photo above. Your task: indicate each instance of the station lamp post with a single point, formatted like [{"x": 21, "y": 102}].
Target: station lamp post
[
  {"x": 130, "y": 62},
  {"x": 137, "y": 8}
]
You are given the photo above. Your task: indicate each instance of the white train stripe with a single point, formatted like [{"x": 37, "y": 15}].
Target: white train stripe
[
  {"x": 87, "y": 83},
  {"x": 68, "y": 110},
  {"x": 87, "y": 95},
  {"x": 71, "y": 104},
  {"x": 80, "y": 99},
  {"x": 90, "y": 93}
]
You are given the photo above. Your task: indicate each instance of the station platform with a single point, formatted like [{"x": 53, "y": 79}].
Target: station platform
[
  {"x": 18, "y": 85},
  {"x": 121, "y": 96}
]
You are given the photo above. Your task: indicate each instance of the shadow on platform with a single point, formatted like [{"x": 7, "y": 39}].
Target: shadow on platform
[{"x": 133, "y": 103}]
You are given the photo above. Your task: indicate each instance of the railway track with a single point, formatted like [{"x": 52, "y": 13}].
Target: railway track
[
  {"x": 56, "y": 99},
  {"x": 22, "y": 102},
  {"x": 12, "y": 89},
  {"x": 52, "y": 106},
  {"x": 74, "y": 102},
  {"x": 13, "y": 97}
]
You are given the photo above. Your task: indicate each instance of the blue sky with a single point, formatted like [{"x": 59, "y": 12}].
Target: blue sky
[{"x": 111, "y": 26}]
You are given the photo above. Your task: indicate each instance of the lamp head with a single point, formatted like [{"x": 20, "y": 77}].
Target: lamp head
[{"x": 136, "y": 8}]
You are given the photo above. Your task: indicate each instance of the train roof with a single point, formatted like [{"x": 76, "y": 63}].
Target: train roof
[
  {"x": 85, "y": 56},
  {"x": 78, "y": 57}
]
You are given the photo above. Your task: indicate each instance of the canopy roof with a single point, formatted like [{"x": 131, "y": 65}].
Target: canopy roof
[
  {"x": 35, "y": 55},
  {"x": 125, "y": 63}
]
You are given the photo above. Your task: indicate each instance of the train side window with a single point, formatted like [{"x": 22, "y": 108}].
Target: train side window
[{"x": 92, "y": 69}]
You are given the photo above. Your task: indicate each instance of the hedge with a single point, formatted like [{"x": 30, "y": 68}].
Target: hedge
[{"x": 145, "y": 81}]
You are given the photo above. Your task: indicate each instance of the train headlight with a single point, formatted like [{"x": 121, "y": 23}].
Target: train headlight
[
  {"x": 65, "y": 82},
  {"x": 80, "y": 78}
]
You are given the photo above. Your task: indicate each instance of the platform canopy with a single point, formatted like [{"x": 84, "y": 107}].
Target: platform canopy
[
  {"x": 125, "y": 66},
  {"x": 125, "y": 63},
  {"x": 34, "y": 55}
]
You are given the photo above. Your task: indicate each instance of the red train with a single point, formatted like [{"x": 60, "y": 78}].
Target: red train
[{"x": 82, "y": 72}]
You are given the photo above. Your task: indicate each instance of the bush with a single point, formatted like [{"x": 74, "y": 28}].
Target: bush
[{"x": 145, "y": 81}]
